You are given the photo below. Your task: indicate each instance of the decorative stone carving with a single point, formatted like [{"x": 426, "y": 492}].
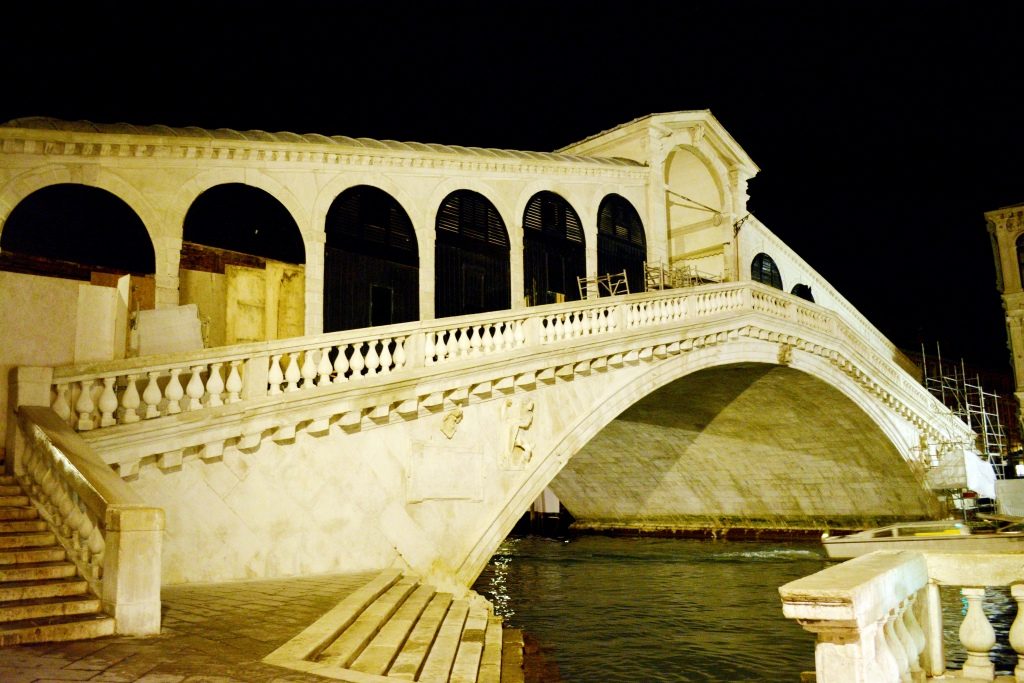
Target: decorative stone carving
[
  {"x": 519, "y": 417},
  {"x": 785, "y": 354},
  {"x": 451, "y": 422}
]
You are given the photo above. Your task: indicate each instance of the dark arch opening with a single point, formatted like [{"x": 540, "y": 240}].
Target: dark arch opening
[
  {"x": 764, "y": 270},
  {"x": 70, "y": 230},
  {"x": 472, "y": 256},
  {"x": 621, "y": 243},
  {"x": 803, "y": 291},
  {"x": 244, "y": 219},
  {"x": 1020, "y": 258},
  {"x": 554, "y": 253},
  {"x": 371, "y": 261}
]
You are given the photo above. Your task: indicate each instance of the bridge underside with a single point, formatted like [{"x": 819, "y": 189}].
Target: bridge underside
[{"x": 741, "y": 446}]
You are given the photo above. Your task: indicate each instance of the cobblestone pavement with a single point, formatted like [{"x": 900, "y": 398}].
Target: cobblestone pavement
[{"x": 212, "y": 633}]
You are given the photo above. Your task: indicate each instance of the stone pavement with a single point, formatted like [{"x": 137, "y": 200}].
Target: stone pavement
[{"x": 212, "y": 633}]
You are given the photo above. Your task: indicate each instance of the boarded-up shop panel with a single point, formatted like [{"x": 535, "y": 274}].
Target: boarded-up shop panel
[
  {"x": 208, "y": 292},
  {"x": 246, "y": 305},
  {"x": 286, "y": 300}
]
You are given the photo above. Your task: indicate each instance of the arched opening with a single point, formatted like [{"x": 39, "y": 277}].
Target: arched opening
[
  {"x": 803, "y": 291},
  {"x": 472, "y": 256},
  {"x": 554, "y": 254},
  {"x": 371, "y": 261},
  {"x": 621, "y": 242},
  {"x": 72, "y": 231},
  {"x": 242, "y": 265},
  {"x": 1020, "y": 258},
  {"x": 697, "y": 229},
  {"x": 764, "y": 270}
]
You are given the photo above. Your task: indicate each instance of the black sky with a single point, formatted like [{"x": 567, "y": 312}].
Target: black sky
[{"x": 883, "y": 130}]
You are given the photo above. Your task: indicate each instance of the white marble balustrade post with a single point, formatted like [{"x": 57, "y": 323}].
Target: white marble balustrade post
[
  {"x": 977, "y": 636},
  {"x": 1017, "y": 630}
]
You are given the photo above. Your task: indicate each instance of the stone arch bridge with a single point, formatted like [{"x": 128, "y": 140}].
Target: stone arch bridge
[{"x": 419, "y": 445}]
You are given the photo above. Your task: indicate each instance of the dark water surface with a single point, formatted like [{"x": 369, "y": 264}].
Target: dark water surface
[{"x": 633, "y": 610}]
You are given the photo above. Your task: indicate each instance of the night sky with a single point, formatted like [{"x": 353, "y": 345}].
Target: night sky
[{"x": 883, "y": 130}]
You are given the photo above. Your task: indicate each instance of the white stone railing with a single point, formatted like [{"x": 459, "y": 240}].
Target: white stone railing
[
  {"x": 878, "y": 618},
  {"x": 100, "y": 395},
  {"x": 111, "y": 536}
]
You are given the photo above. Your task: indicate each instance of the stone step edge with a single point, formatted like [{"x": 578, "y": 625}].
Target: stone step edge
[
  {"x": 297, "y": 652},
  {"x": 93, "y": 626}
]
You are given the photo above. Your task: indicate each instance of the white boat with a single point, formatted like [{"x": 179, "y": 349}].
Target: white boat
[{"x": 944, "y": 536}]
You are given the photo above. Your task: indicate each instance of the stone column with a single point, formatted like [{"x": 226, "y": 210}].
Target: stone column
[{"x": 314, "y": 313}]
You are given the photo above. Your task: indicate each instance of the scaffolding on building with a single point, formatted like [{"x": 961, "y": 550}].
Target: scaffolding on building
[{"x": 657, "y": 276}]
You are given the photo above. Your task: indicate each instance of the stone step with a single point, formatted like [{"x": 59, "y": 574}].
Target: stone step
[
  {"x": 383, "y": 649},
  {"x": 410, "y": 660},
  {"x": 490, "y": 663},
  {"x": 471, "y": 645},
  {"x": 52, "y": 629},
  {"x": 9, "y": 512},
  {"x": 29, "y": 555},
  {"x": 17, "y": 525},
  {"x": 19, "y": 501},
  {"x": 343, "y": 651},
  {"x": 40, "y": 608},
  {"x": 32, "y": 539},
  {"x": 8, "y": 480},
  {"x": 37, "y": 571},
  {"x": 10, "y": 490},
  {"x": 46, "y": 588},
  {"x": 438, "y": 666}
]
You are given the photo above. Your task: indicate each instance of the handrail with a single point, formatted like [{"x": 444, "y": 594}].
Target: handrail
[
  {"x": 878, "y": 618},
  {"x": 99, "y": 395},
  {"x": 108, "y": 532}
]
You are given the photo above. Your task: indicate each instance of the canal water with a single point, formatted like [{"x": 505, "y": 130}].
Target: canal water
[{"x": 634, "y": 610}]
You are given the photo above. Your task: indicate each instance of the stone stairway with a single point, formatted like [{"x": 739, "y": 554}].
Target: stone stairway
[
  {"x": 397, "y": 629},
  {"x": 42, "y": 597}
]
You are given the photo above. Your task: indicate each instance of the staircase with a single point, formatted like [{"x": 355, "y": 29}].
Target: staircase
[
  {"x": 42, "y": 597},
  {"x": 397, "y": 629}
]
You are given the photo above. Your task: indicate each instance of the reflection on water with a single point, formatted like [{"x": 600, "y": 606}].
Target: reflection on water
[{"x": 651, "y": 609}]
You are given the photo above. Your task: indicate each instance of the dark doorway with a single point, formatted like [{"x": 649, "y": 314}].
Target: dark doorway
[
  {"x": 472, "y": 264},
  {"x": 621, "y": 243},
  {"x": 554, "y": 253},
  {"x": 371, "y": 262}
]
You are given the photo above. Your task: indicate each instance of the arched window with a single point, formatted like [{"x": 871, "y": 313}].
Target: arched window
[
  {"x": 621, "y": 243},
  {"x": 70, "y": 231},
  {"x": 764, "y": 270},
  {"x": 371, "y": 261},
  {"x": 554, "y": 255},
  {"x": 1020, "y": 258},
  {"x": 803, "y": 291},
  {"x": 472, "y": 256},
  {"x": 244, "y": 219}
]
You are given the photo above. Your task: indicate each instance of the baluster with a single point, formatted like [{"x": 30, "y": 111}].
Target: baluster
[
  {"x": 341, "y": 365},
  {"x": 477, "y": 343},
  {"x": 520, "y": 333},
  {"x": 234, "y": 383},
  {"x": 195, "y": 389},
  {"x": 559, "y": 332},
  {"x": 108, "y": 403},
  {"x": 905, "y": 624},
  {"x": 1017, "y": 630},
  {"x": 977, "y": 636},
  {"x": 452, "y": 347},
  {"x": 275, "y": 378},
  {"x": 84, "y": 406},
  {"x": 463, "y": 342},
  {"x": 577, "y": 325},
  {"x": 385, "y": 357},
  {"x": 356, "y": 362},
  {"x": 545, "y": 329},
  {"x": 308, "y": 369},
  {"x": 896, "y": 646},
  {"x": 291, "y": 373},
  {"x": 399, "y": 353},
  {"x": 490, "y": 339},
  {"x": 884, "y": 658},
  {"x": 130, "y": 401},
  {"x": 507, "y": 335},
  {"x": 151, "y": 396},
  {"x": 60, "y": 404},
  {"x": 428, "y": 349},
  {"x": 214, "y": 386},
  {"x": 372, "y": 358},
  {"x": 630, "y": 316},
  {"x": 324, "y": 367}
]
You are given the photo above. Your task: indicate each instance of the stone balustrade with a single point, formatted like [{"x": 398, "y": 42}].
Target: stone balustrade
[
  {"x": 111, "y": 536},
  {"x": 101, "y": 395},
  {"x": 878, "y": 618}
]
